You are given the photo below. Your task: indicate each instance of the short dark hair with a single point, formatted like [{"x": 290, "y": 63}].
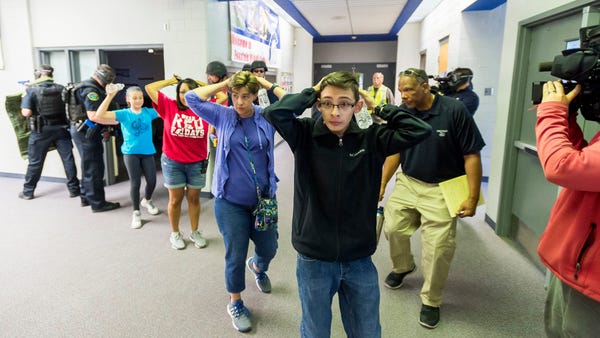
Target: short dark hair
[
  {"x": 418, "y": 74},
  {"x": 105, "y": 73},
  {"x": 341, "y": 79}
]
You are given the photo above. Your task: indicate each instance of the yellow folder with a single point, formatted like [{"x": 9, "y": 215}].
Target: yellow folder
[{"x": 455, "y": 191}]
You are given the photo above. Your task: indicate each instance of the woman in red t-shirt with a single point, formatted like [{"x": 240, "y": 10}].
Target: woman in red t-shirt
[{"x": 185, "y": 155}]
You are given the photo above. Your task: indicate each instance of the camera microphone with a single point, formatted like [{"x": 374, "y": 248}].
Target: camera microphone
[{"x": 545, "y": 66}]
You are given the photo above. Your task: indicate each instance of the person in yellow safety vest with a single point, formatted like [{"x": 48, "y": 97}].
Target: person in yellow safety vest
[{"x": 379, "y": 92}]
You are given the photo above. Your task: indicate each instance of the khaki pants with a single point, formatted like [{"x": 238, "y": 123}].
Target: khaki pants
[{"x": 415, "y": 204}]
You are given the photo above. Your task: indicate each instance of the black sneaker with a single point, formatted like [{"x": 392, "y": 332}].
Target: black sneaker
[
  {"x": 394, "y": 280},
  {"x": 25, "y": 196},
  {"x": 108, "y": 206},
  {"x": 429, "y": 317}
]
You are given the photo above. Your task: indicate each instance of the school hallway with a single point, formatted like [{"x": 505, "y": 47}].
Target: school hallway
[{"x": 66, "y": 272}]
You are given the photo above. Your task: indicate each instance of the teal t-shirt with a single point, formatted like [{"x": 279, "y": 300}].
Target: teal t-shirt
[{"x": 137, "y": 131}]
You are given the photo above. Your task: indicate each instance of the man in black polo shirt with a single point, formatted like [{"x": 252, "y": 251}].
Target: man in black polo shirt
[{"x": 452, "y": 150}]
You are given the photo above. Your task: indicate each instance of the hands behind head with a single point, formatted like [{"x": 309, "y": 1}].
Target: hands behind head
[
  {"x": 553, "y": 91},
  {"x": 317, "y": 87},
  {"x": 264, "y": 82}
]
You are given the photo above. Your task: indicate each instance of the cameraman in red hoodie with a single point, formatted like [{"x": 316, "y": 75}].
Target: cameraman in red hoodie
[{"x": 570, "y": 245}]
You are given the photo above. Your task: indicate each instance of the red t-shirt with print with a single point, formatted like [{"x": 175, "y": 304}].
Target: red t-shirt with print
[{"x": 185, "y": 133}]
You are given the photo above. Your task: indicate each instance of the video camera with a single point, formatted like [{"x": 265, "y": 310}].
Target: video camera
[
  {"x": 577, "y": 66},
  {"x": 449, "y": 83}
]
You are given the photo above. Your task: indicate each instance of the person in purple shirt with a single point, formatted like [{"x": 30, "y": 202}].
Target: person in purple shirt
[{"x": 244, "y": 159}]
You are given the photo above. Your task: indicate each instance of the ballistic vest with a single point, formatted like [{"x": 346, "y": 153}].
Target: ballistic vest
[{"x": 50, "y": 105}]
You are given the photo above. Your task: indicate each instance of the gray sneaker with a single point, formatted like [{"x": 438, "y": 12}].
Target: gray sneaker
[
  {"x": 240, "y": 316},
  {"x": 177, "y": 241},
  {"x": 199, "y": 241},
  {"x": 262, "y": 280}
]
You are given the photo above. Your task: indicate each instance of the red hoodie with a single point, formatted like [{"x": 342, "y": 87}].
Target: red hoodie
[{"x": 570, "y": 245}]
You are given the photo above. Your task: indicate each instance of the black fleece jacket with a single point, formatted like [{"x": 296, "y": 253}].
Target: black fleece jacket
[{"x": 337, "y": 180}]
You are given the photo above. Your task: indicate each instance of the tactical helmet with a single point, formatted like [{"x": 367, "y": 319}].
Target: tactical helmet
[
  {"x": 216, "y": 68},
  {"x": 43, "y": 70},
  {"x": 460, "y": 76},
  {"x": 258, "y": 64},
  {"x": 246, "y": 67}
]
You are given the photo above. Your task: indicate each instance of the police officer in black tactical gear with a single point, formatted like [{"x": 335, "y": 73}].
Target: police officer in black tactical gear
[
  {"x": 45, "y": 108},
  {"x": 89, "y": 141}
]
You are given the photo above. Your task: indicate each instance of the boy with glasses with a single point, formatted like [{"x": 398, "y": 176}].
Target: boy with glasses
[{"x": 337, "y": 172}]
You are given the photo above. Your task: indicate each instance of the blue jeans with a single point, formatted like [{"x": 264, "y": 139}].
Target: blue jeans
[
  {"x": 356, "y": 283},
  {"x": 236, "y": 224},
  {"x": 179, "y": 175}
]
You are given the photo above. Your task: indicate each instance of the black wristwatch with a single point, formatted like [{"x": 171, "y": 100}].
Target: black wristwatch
[{"x": 275, "y": 85}]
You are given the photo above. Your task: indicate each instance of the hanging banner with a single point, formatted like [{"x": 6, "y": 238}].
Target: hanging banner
[{"x": 254, "y": 33}]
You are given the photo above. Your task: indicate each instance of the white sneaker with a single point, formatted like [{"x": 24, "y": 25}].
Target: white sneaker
[
  {"x": 177, "y": 241},
  {"x": 136, "y": 220},
  {"x": 149, "y": 205},
  {"x": 199, "y": 241}
]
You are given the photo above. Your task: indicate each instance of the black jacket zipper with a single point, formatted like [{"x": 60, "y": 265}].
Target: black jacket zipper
[{"x": 586, "y": 245}]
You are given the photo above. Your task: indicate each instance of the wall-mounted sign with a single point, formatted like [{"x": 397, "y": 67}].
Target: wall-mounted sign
[{"x": 254, "y": 33}]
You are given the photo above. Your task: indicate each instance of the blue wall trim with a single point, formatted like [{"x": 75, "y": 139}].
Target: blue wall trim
[
  {"x": 407, "y": 12},
  {"x": 484, "y": 5},
  {"x": 292, "y": 11},
  {"x": 392, "y": 35}
]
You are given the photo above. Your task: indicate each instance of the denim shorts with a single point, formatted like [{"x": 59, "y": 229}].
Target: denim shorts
[{"x": 179, "y": 175}]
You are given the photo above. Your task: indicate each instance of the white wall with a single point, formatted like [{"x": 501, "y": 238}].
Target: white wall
[
  {"x": 303, "y": 60},
  {"x": 18, "y": 66},
  {"x": 408, "y": 51},
  {"x": 190, "y": 38},
  {"x": 516, "y": 11},
  {"x": 480, "y": 49}
]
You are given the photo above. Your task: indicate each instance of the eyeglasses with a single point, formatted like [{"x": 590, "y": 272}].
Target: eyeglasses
[
  {"x": 342, "y": 106},
  {"x": 258, "y": 71},
  {"x": 418, "y": 73}
]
